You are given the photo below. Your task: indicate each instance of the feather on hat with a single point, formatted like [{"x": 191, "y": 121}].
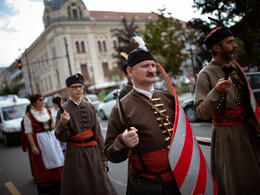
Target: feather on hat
[{"x": 140, "y": 54}]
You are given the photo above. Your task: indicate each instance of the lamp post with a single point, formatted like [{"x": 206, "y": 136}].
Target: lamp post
[
  {"x": 29, "y": 71},
  {"x": 67, "y": 54}
]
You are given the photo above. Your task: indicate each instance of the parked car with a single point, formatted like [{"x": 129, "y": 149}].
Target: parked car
[
  {"x": 254, "y": 81},
  {"x": 12, "y": 111},
  {"x": 93, "y": 98},
  {"x": 187, "y": 105},
  {"x": 106, "y": 105}
]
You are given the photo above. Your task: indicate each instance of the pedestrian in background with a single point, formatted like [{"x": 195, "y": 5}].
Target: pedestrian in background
[
  {"x": 85, "y": 162},
  {"x": 46, "y": 156},
  {"x": 128, "y": 86},
  {"x": 235, "y": 144}
]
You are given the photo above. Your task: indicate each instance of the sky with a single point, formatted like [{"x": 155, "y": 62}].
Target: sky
[{"x": 21, "y": 20}]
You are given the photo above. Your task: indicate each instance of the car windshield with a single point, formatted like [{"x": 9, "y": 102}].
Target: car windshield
[
  {"x": 109, "y": 97},
  {"x": 13, "y": 112},
  {"x": 93, "y": 98}
]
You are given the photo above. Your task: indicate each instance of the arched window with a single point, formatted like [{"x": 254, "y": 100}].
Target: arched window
[
  {"x": 74, "y": 13},
  {"x": 77, "y": 47},
  {"x": 114, "y": 43},
  {"x": 83, "y": 47},
  {"x": 99, "y": 46},
  {"x": 104, "y": 46},
  {"x": 69, "y": 12}
]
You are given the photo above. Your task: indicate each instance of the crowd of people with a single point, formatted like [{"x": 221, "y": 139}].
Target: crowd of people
[{"x": 147, "y": 127}]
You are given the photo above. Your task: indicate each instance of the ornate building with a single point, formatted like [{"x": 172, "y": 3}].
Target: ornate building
[{"x": 74, "y": 40}]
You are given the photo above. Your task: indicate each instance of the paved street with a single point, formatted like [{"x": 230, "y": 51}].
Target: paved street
[{"x": 15, "y": 172}]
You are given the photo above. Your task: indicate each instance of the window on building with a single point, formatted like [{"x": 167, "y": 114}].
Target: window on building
[
  {"x": 77, "y": 47},
  {"x": 46, "y": 83},
  {"x": 50, "y": 82},
  {"x": 104, "y": 46},
  {"x": 99, "y": 46},
  {"x": 114, "y": 43},
  {"x": 69, "y": 12},
  {"x": 105, "y": 69},
  {"x": 80, "y": 13},
  {"x": 42, "y": 85},
  {"x": 84, "y": 71},
  {"x": 38, "y": 65},
  {"x": 53, "y": 53},
  {"x": 83, "y": 47},
  {"x": 46, "y": 58},
  {"x": 43, "y": 62},
  {"x": 74, "y": 13},
  {"x": 58, "y": 76}
]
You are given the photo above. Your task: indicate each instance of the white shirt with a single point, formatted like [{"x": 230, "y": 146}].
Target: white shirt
[
  {"x": 144, "y": 92},
  {"x": 76, "y": 102}
]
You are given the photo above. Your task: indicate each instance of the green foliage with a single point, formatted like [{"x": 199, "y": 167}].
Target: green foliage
[
  {"x": 124, "y": 43},
  {"x": 184, "y": 89},
  {"x": 240, "y": 17},
  {"x": 116, "y": 74},
  {"x": 166, "y": 40},
  {"x": 103, "y": 94},
  {"x": 12, "y": 89}
]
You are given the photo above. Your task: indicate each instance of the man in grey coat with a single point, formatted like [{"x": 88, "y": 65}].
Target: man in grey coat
[
  {"x": 235, "y": 145},
  {"x": 83, "y": 171}
]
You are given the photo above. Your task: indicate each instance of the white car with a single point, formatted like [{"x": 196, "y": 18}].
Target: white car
[
  {"x": 106, "y": 105},
  {"x": 12, "y": 111},
  {"x": 93, "y": 98}
]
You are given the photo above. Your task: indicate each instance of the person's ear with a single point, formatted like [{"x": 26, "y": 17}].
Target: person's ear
[
  {"x": 129, "y": 71},
  {"x": 216, "y": 48}
]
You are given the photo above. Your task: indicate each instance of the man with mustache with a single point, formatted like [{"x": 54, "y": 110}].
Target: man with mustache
[
  {"x": 235, "y": 142},
  {"x": 148, "y": 139}
]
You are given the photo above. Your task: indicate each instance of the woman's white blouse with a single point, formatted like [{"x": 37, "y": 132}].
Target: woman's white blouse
[{"x": 42, "y": 116}]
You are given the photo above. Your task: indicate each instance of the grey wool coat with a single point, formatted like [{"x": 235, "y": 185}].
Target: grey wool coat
[
  {"x": 235, "y": 150},
  {"x": 83, "y": 172}
]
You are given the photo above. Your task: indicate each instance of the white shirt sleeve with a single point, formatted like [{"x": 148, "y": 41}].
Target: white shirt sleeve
[{"x": 27, "y": 125}]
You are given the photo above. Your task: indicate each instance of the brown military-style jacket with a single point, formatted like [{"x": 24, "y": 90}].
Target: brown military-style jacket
[{"x": 152, "y": 136}]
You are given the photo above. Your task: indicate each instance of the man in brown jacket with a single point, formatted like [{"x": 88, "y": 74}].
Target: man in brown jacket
[
  {"x": 149, "y": 134},
  {"x": 235, "y": 145},
  {"x": 83, "y": 171}
]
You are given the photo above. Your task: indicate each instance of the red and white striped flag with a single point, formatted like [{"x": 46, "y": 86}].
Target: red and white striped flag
[{"x": 186, "y": 160}]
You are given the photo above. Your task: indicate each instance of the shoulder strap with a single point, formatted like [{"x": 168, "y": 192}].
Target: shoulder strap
[{"x": 163, "y": 116}]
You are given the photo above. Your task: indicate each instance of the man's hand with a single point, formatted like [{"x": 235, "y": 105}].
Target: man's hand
[
  {"x": 64, "y": 118},
  {"x": 131, "y": 138},
  {"x": 223, "y": 86}
]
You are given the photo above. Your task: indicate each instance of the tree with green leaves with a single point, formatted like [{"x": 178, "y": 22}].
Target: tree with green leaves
[
  {"x": 240, "y": 17},
  {"x": 166, "y": 40},
  {"x": 125, "y": 43},
  {"x": 12, "y": 89}
]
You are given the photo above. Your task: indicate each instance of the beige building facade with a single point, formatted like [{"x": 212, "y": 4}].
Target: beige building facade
[{"x": 75, "y": 40}]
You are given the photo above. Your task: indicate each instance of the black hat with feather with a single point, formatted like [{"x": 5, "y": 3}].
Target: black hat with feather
[
  {"x": 217, "y": 35},
  {"x": 140, "y": 54}
]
